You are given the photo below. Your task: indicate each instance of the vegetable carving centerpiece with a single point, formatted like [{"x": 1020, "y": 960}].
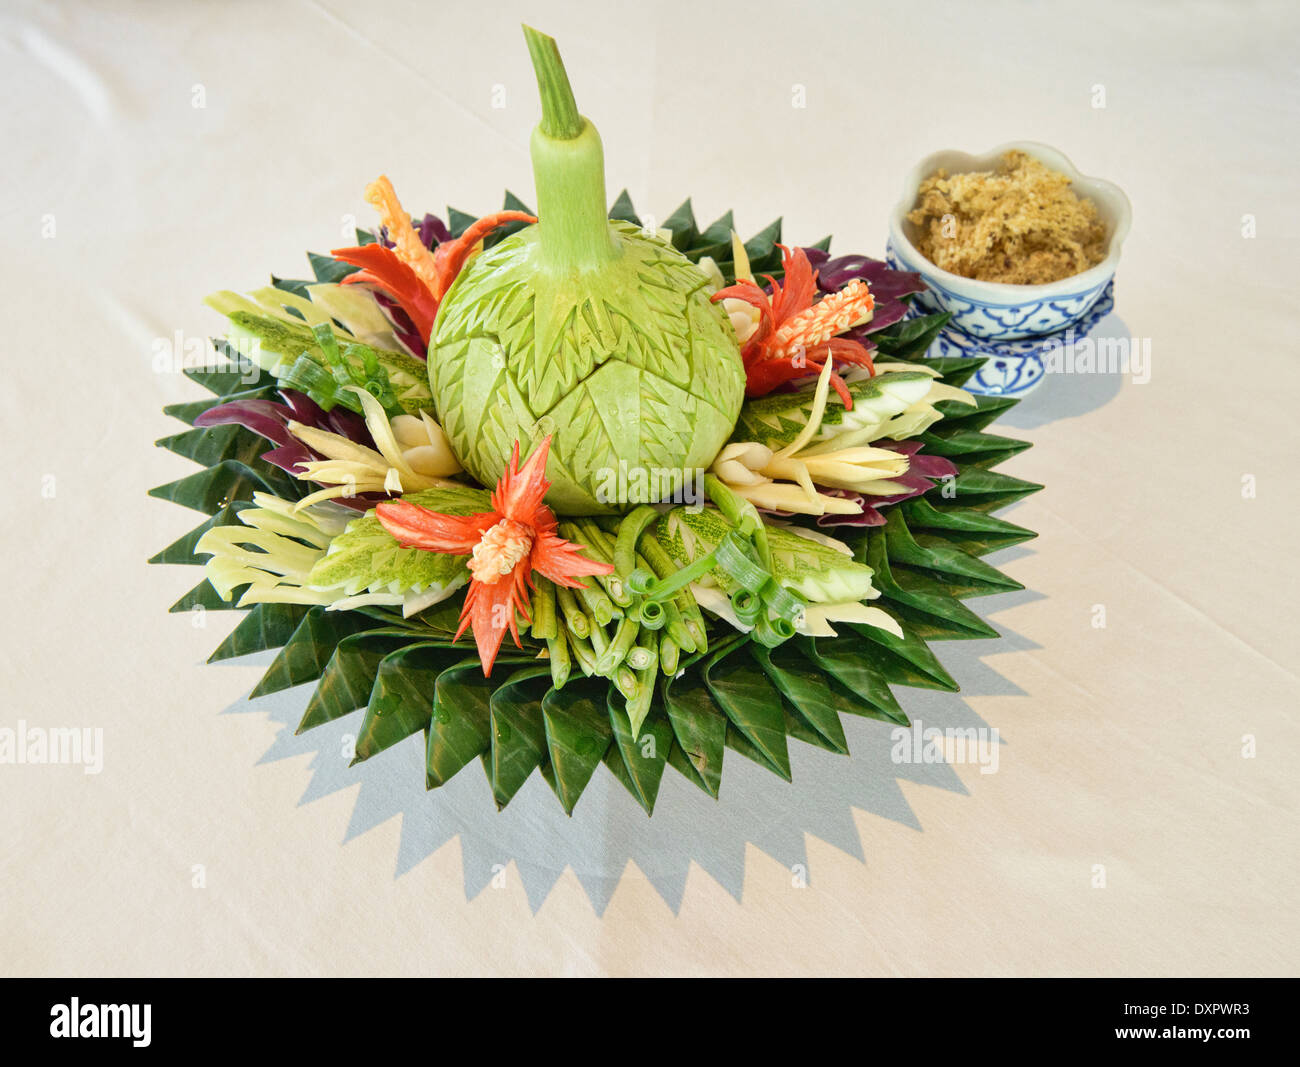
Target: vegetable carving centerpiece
[
  {"x": 687, "y": 493},
  {"x": 591, "y": 331}
]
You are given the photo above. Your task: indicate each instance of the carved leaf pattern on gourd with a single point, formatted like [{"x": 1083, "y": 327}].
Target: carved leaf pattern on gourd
[{"x": 509, "y": 362}]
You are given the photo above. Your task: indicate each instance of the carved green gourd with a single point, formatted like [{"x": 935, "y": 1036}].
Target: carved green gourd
[{"x": 587, "y": 329}]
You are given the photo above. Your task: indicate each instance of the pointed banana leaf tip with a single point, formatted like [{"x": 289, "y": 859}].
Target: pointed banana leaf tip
[{"x": 984, "y": 494}]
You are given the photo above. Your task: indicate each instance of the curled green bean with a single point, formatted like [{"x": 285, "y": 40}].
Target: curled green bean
[
  {"x": 662, "y": 566},
  {"x": 629, "y": 533}
]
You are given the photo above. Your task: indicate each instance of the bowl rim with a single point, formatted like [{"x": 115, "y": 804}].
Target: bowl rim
[{"x": 1010, "y": 292}]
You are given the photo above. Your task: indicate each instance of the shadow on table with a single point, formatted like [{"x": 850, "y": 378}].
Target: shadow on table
[
  {"x": 1066, "y": 396},
  {"x": 608, "y": 829}
]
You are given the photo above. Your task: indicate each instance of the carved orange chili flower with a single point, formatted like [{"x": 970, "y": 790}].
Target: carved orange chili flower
[
  {"x": 414, "y": 277},
  {"x": 504, "y": 545},
  {"x": 795, "y": 336}
]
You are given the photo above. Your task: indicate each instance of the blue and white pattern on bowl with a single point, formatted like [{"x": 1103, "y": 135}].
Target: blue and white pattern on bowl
[
  {"x": 1029, "y": 319},
  {"x": 998, "y": 311},
  {"x": 1016, "y": 367}
]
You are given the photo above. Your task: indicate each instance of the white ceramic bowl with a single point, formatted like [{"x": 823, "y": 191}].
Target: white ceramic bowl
[{"x": 995, "y": 310}]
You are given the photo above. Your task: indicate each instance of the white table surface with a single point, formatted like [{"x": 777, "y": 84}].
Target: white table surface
[{"x": 1123, "y": 744}]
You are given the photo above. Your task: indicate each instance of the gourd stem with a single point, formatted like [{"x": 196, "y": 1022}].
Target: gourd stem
[
  {"x": 569, "y": 171},
  {"x": 560, "y": 118}
]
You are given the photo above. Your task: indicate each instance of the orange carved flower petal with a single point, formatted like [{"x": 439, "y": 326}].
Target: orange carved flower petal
[
  {"x": 407, "y": 244},
  {"x": 384, "y": 269},
  {"x": 847, "y": 350},
  {"x": 490, "y": 605},
  {"x": 417, "y": 527},
  {"x": 448, "y": 259},
  {"x": 490, "y": 611},
  {"x": 800, "y": 286},
  {"x": 748, "y": 292},
  {"x": 521, "y": 489},
  {"x": 408, "y": 272},
  {"x": 558, "y": 560},
  {"x": 796, "y": 334}
]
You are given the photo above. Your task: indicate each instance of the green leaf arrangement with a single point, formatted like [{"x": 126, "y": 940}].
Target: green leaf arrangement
[{"x": 407, "y": 677}]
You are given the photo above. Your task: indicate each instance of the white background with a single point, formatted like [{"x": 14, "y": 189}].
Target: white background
[{"x": 1124, "y": 743}]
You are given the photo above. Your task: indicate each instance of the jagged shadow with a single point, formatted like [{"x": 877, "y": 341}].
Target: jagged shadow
[{"x": 608, "y": 829}]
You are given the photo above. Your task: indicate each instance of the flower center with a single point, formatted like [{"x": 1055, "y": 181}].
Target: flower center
[
  {"x": 831, "y": 315},
  {"x": 500, "y": 551}
]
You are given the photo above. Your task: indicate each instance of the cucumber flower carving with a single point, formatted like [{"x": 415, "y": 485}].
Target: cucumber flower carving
[
  {"x": 410, "y": 453},
  {"x": 792, "y": 336},
  {"x": 415, "y": 278},
  {"x": 787, "y": 479},
  {"x": 505, "y": 546}
]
